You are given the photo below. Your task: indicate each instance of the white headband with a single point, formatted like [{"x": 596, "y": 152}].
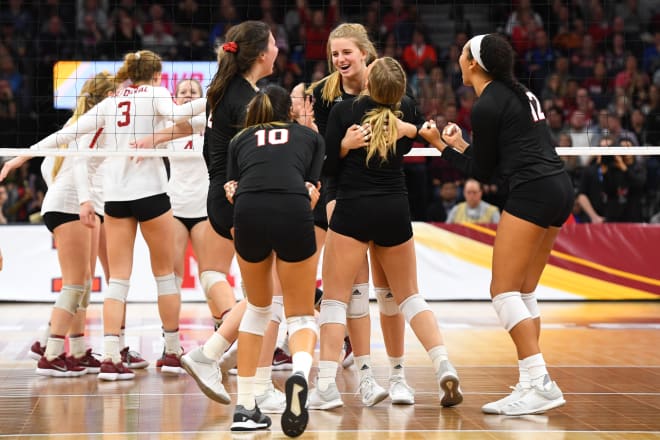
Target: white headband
[{"x": 475, "y": 49}]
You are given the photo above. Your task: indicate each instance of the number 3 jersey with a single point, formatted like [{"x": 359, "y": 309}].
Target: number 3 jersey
[
  {"x": 510, "y": 139},
  {"x": 134, "y": 112}
]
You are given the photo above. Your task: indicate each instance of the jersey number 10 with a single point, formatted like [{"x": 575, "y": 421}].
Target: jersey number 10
[{"x": 275, "y": 136}]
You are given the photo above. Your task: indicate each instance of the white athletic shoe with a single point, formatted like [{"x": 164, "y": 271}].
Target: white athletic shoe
[
  {"x": 206, "y": 373},
  {"x": 273, "y": 401},
  {"x": 537, "y": 400},
  {"x": 400, "y": 392},
  {"x": 327, "y": 399},
  {"x": 496, "y": 406},
  {"x": 371, "y": 392},
  {"x": 450, "y": 388}
]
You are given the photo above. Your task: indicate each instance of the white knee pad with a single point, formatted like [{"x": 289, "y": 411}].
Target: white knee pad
[
  {"x": 297, "y": 323},
  {"x": 117, "y": 290},
  {"x": 413, "y": 305},
  {"x": 386, "y": 303},
  {"x": 511, "y": 309},
  {"x": 532, "y": 305},
  {"x": 332, "y": 312},
  {"x": 69, "y": 297},
  {"x": 166, "y": 285},
  {"x": 84, "y": 299},
  {"x": 277, "y": 309},
  {"x": 210, "y": 277},
  {"x": 179, "y": 282},
  {"x": 358, "y": 306},
  {"x": 255, "y": 319}
]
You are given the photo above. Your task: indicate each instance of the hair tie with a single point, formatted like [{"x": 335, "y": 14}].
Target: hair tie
[
  {"x": 230, "y": 46},
  {"x": 85, "y": 95},
  {"x": 475, "y": 49},
  {"x": 137, "y": 55}
]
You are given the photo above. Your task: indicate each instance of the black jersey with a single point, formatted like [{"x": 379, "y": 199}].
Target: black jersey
[
  {"x": 506, "y": 141},
  {"x": 354, "y": 176},
  {"x": 228, "y": 119},
  {"x": 322, "y": 108},
  {"x": 276, "y": 158}
]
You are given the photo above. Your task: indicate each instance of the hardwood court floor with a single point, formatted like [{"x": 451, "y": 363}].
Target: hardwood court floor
[{"x": 605, "y": 357}]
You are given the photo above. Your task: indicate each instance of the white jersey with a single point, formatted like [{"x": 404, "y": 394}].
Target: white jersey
[
  {"x": 134, "y": 112},
  {"x": 189, "y": 178},
  {"x": 70, "y": 187}
]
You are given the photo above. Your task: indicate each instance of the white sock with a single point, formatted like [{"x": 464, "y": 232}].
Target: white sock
[
  {"x": 396, "y": 366},
  {"x": 215, "y": 346},
  {"x": 245, "y": 391},
  {"x": 122, "y": 338},
  {"x": 327, "y": 374},
  {"x": 111, "y": 348},
  {"x": 54, "y": 347},
  {"x": 43, "y": 338},
  {"x": 437, "y": 355},
  {"x": 262, "y": 380},
  {"x": 172, "y": 342},
  {"x": 363, "y": 364},
  {"x": 523, "y": 374},
  {"x": 535, "y": 364},
  {"x": 302, "y": 361},
  {"x": 77, "y": 346}
]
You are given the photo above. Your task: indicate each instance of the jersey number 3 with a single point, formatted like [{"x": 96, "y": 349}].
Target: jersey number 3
[
  {"x": 535, "y": 107},
  {"x": 275, "y": 136},
  {"x": 124, "y": 108}
]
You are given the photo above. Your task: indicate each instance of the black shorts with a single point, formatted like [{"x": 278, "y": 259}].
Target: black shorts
[
  {"x": 143, "y": 209},
  {"x": 190, "y": 223},
  {"x": 220, "y": 211},
  {"x": 266, "y": 222},
  {"x": 546, "y": 202},
  {"x": 53, "y": 219},
  {"x": 385, "y": 219}
]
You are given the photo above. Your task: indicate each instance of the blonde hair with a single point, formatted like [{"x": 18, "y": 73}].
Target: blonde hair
[
  {"x": 139, "y": 67},
  {"x": 358, "y": 34},
  {"x": 93, "y": 91},
  {"x": 386, "y": 86}
]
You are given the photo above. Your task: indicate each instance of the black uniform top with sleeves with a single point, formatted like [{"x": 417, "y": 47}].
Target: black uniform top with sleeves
[
  {"x": 228, "y": 119},
  {"x": 506, "y": 141},
  {"x": 322, "y": 108},
  {"x": 354, "y": 177},
  {"x": 275, "y": 158}
]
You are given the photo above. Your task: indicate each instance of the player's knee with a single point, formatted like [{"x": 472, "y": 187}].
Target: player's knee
[
  {"x": 332, "y": 312},
  {"x": 69, "y": 298},
  {"x": 166, "y": 285},
  {"x": 87, "y": 293},
  {"x": 277, "y": 309},
  {"x": 255, "y": 319},
  {"x": 386, "y": 303},
  {"x": 117, "y": 290},
  {"x": 209, "y": 278},
  {"x": 358, "y": 306},
  {"x": 510, "y": 309},
  {"x": 532, "y": 304},
  {"x": 413, "y": 305},
  {"x": 297, "y": 323}
]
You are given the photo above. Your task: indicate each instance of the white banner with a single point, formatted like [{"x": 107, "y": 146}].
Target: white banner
[{"x": 31, "y": 270}]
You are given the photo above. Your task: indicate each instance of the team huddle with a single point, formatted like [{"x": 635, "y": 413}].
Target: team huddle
[{"x": 283, "y": 175}]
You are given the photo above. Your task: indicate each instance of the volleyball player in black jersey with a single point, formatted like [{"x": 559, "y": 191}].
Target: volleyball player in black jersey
[
  {"x": 349, "y": 53},
  {"x": 511, "y": 139},
  {"x": 372, "y": 208},
  {"x": 273, "y": 170}
]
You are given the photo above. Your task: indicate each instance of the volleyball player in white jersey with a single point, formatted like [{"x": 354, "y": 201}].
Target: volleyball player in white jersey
[
  {"x": 69, "y": 213},
  {"x": 135, "y": 193}
]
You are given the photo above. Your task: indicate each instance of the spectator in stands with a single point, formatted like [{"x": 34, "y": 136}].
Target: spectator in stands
[
  {"x": 583, "y": 60},
  {"x": 638, "y": 126},
  {"x": 473, "y": 209},
  {"x": 600, "y": 128},
  {"x": 522, "y": 33},
  {"x": 445, "y": 196},
  {"x": 157, "y": 14},
  {"x": 569, "y": 36},
  {"x": 634, "y": 18},
  {"x": 227, "y": 17},
  {"x": 316, "y": 25},
  {"x": 159, "y": 41},
  {"x": 7, "y": 105},
  {"x": 398, "y": 22},
  {"x": 651, "y": 56},
  {"x": 94, "y": 9},
  {"x": 466, "y": 99},
  {"x": 193, "y": 45},
  {"x": 615, "y": 55},
  {"x": 539, "y": 61},
  {"x": 3, "y": 201},
  {"x": 555, "y": 120},
  {"x": 599, "y": 85},
  {"x": 616, "y": 131},
  {"x": 91, "y": 42},
  {"x": 418, "y": 53},
  {"x": 599, "y": 25},
  {"x": 126, "y": 36},
  {"x": 571, "y": 163},
  {"x": 632, "y": 183},
  {"x": 14, "y": 11},
  {"x": 521, "y": 15}
]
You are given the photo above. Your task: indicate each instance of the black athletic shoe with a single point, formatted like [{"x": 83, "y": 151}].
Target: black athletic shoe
[
  {"x": 249, "y": 419},
  {"x": 295, "y": 416}
]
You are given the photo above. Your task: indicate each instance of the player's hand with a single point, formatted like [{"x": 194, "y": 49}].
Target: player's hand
[
  {"x": 230, "y": 190},
  {"x": 87, "y": 214},
  {"x": 431, "y": 134},
  {"x": 143, "y": 142},
  {"x": 314, "y": 193},
  {"x": 11, "y": 165},
  {"x": 357, "y": 136}
]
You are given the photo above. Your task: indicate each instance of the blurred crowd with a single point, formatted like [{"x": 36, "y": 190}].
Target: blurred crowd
[{"x": 594, "y": 64}]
